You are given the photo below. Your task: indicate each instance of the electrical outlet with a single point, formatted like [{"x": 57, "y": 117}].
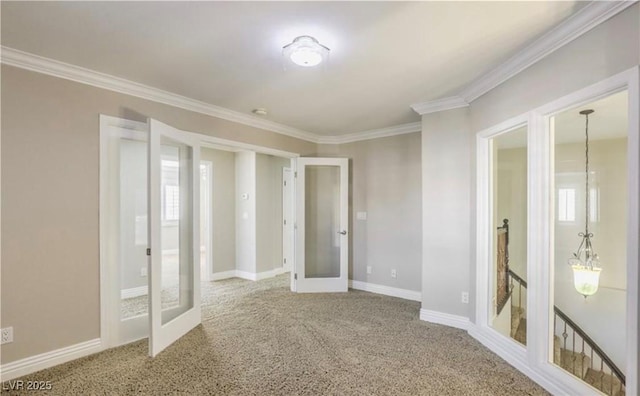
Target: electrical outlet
[
  {"x": 368, "y": 269},
  {"x": 394, "y": 274},
  {"x": 143, "y": 271},
  {"x": 7, "y": 335},
  {"x": 465, "y": 297}
]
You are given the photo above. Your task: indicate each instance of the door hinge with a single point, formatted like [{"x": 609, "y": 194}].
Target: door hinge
[
  {"x": 285, "y": 221},
  {"x": 148, "y": 251},
  {"x": 295, "y": 174},
  {"x": 295, "y": 276},
  {"x": 285, "y": 183},
  {"x": 285, "y": 260}
]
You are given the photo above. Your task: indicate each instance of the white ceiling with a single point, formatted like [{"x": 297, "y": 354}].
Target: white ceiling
[{"x": 384, "y": 55}]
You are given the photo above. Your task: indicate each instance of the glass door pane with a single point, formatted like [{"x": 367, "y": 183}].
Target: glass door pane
[
  {"x": 322, "y": 221},
  {"x": 133, "y": 228},
  {"x": 174, "y": 206},
  {"x": 590, "y": 242},
  {"x": 322, "y": 240},
  {"x": 177, "y": 228},
  {"x": 509, "y": 248}
]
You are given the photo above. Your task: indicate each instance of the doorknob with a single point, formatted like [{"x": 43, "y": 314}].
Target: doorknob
[{"x": 342, "y": 232}]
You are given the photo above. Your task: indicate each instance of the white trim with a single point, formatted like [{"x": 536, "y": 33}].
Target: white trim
[
  {"x": 269, "y": 274},
  {"x": 252, "y": 276},
  {"x": 459, "y": 322},
  {"x": 573, "y": 27},
  {"x": 385, "y": 290},
  {"x": 434, "y": 106},
  {"x": 134, "y": 292},
  {"x": 515, "y": 355},
  {"x": 372, "y": 134},
  {"x": 45, "y": 360},
  {"x": 577, "y": 24},
  {"x": 39, "y": 64},
  {"x": 216, "y": 276}
]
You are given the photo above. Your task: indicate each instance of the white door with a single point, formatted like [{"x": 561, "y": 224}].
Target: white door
[
  {"x": 322, "y": 224},
  {"x": 174, "y": 235}
]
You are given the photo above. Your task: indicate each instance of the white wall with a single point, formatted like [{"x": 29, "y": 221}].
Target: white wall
[{"x": 245, "y": 162}]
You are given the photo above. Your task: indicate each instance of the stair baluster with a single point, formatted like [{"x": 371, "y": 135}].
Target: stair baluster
[{"x": 612, "y": 384}]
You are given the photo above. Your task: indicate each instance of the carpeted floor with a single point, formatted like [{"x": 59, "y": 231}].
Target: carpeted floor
[{"x": 258, "y": 338}]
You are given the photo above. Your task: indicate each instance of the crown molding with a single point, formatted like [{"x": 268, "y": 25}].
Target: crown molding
[
  {"x": 434, "y": 106},
  {"x": 573, "y": 27},
  {"x": 36, "y": 63},
  {"x": 372, "y": 134}
]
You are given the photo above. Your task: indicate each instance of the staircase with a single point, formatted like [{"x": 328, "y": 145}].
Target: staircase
[{"x": 573, "y": 349}]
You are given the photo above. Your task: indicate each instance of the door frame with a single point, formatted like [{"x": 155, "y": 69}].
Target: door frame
[
  {"x": 206, "y": 271},
  {"x": 108, "y": 337},
  {"x": 287, "y": 214}
]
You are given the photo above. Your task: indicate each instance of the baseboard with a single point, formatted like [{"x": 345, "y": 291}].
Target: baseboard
[
  {"x": 270, "y": 274},
  {"x": 516, "y": 356},
  {"x": 446, "y": 319},
  {"x": 386, "y": 290},
  {"x": 223, "y": 275},
  {"x": 35, "y": 363},
  {"x": 252, "y": 276},
  {"x": 134, "y": 292}
]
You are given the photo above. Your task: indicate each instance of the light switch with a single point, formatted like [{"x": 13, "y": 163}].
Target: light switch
[
  {"x": 244, "y": 196},
  {"x": 361, "y": 215}
]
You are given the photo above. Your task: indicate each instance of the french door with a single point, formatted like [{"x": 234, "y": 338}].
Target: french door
[
  {"x": 174, "y": 245},
  {"x": 322, "y": 224}
]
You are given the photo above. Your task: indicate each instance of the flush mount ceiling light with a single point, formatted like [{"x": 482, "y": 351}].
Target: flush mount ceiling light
[{"x": 305, "y": 51}]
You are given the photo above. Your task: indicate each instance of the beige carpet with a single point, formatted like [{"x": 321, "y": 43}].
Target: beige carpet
[{"x": 257, "y": 338}]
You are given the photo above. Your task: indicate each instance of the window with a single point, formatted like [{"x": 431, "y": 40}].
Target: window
[
  {"x": 566, "y": 204},
  {"x": 170, "y": 197},
  {"x": 171, "y": 204}
]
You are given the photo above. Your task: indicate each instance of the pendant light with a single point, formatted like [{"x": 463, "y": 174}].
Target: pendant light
[{"x": 584, "y": 262}]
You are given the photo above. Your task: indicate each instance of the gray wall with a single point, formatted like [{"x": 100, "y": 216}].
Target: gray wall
[
  {"x": 446, "y": 215},
  {"x": 245, "y": 162},
  {"x": 610, "y": 48},
  {"x": 50, "y": 201},
  {"x": 223, "y": 232},
  {"x": 384, "y": 182}
]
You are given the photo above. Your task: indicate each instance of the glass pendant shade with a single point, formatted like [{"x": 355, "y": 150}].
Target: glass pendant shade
[
  {"x": 305, "y": 51},
  {"x": 586, "y": 279}
]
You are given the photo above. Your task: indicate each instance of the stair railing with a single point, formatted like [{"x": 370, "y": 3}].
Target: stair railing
[
  {"x": 587, "y": 344},
  {"x": 591, "y": 347},
  {"x": 522, "y": 284}
]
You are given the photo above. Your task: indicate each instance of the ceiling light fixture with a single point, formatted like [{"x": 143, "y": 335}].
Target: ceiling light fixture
[
  {"x": 585, "y": 263},
  {"x": 305, "y": 51}
]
